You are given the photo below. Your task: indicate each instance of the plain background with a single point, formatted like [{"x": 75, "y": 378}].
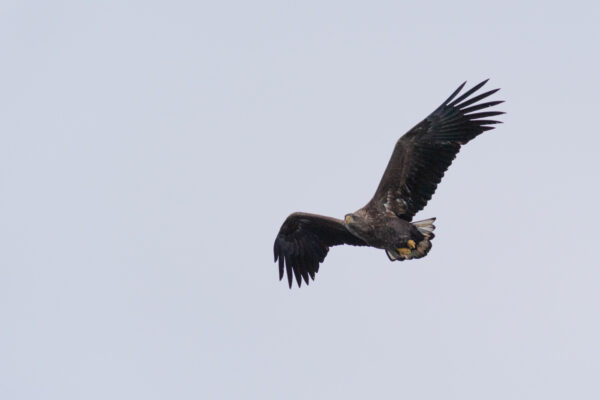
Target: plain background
[{"x": 149, "y": 152}]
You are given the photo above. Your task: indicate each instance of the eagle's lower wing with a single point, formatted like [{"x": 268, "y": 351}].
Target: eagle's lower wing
[
  {"x": 424, "y": 153},
  {"x": 303, "y": 242}
]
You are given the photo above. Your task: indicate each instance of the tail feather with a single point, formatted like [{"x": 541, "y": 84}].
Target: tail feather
[{"x": 426, "y": 227}]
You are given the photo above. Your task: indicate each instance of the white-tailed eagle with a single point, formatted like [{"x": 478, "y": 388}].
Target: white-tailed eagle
[{"x": 417, "y": 165}]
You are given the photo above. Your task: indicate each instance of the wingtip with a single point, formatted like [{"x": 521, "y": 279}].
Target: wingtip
[
  {"x": 486, "y": 81},
  {"x": 453, "y": 95},
  {"x": 275, "y": 250},
  {"x": 281, "y": 264},
  {"x": 464, "y": 101},
  {"x": 305, "y": 277},
  {"x": 288, "y": 268}
]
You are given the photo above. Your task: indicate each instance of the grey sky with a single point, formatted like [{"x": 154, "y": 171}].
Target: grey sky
[{"x": 149, "y": 152}]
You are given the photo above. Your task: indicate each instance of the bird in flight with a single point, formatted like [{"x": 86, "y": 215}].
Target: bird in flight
[{"x": 416, "y": 167}]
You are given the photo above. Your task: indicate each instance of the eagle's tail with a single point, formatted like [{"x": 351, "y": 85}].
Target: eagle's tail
[
  {"x": 426, "y": 227},
  {"x": 421, "y": 249}
]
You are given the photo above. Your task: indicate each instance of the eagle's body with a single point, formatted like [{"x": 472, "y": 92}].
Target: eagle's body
[
  {"x": 387, "y": 231},
  {"x": 417, "y": 165}
]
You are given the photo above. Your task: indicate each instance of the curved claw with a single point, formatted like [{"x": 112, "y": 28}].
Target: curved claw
[{"x": 411, "y": 244}]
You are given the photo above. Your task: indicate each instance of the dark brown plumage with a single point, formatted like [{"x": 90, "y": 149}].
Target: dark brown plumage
[{"x": 416, "y": 167}]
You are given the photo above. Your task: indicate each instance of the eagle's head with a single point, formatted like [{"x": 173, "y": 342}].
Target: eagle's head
[{"x": 357, "y": 224}]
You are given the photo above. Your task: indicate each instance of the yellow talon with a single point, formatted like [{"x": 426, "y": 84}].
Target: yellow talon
[
  {"x": 411, "y": 244},
  {"x": 404, "y": 251}
]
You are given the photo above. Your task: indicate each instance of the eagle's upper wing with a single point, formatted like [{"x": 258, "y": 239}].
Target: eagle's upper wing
[
  {"x": 423, "y": 154},
  {"x": 303, "y": 242}
]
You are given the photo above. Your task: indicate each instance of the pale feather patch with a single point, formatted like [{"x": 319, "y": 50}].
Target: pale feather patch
[
  {"x": 392, "y": 255},
  {"x": 425, "y": 227},
  {"x": 394, "y": 203}
]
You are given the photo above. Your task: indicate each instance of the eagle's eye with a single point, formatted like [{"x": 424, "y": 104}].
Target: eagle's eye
[{"x": 348, "y": 218}]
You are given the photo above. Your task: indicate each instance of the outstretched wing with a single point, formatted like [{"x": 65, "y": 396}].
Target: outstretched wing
[
  {"x": 303, "y": 242},
  {"x": 424, "y": 153}
]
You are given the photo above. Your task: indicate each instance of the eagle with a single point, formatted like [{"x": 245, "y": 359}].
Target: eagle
[{"x": 418, "y": 162}]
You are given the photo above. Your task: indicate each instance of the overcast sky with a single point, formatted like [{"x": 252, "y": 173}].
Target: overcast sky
[{"x": 149, "y": 152}]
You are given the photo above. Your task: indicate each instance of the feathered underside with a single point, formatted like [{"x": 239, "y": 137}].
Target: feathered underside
[{"x": 423, "y": 154}]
